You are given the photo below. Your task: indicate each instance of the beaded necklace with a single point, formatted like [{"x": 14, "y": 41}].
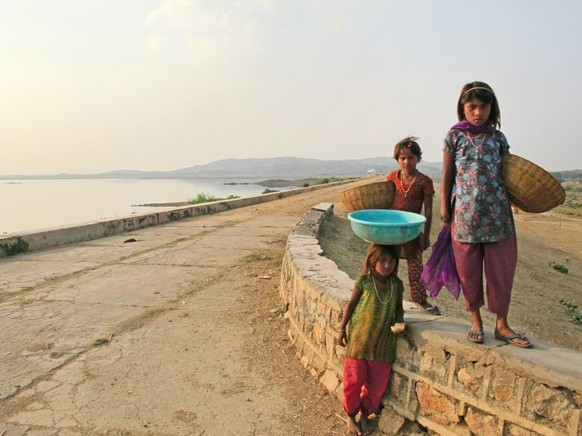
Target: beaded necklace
[
  {"x": 378, "y": 294},
  {"x": 481, "y": 137},
  {"x": 409, "y": 186}
]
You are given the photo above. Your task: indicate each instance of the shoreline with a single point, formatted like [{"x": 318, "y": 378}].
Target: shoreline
[
  {"x": 38, "y": 239},
  {"x": 272, "y": 183}
]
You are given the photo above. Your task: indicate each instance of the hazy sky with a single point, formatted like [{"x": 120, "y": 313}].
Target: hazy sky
[{"x": 92, "y": 86}]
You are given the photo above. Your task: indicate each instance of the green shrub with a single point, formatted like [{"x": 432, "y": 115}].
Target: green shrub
[
  {"x": 202, "y": 198},
  {"x": 558, "y": 267},
  {"x": 571, "y": 307},
  {"x": 18, "y": 247}
]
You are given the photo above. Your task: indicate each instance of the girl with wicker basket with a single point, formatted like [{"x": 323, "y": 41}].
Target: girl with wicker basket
[
  {"x": 413, "y": 193},
  {"x": 373, "y": 316},
  {"x": 475, "y": 204}
]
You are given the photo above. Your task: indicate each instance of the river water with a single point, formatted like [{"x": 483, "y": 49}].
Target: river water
[{"x": 38, "y": 204}]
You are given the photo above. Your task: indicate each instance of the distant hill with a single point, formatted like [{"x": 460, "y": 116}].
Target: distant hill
[
  {"x": 295, "y": 168},
  {"x": 278, "y": 167}
]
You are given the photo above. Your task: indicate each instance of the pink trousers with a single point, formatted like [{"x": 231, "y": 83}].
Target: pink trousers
[
  {"x": 499, "y": 261},
  {"x": 364, "y": 385}
]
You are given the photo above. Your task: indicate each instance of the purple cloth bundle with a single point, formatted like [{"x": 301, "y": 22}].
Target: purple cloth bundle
[{"x": 440, "y": 270}]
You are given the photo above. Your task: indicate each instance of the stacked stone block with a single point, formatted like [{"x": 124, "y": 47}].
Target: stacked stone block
[{"x": 440, "y": 382}]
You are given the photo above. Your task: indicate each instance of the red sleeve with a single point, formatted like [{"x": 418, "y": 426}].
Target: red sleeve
[{"x": 427, "y": 186}]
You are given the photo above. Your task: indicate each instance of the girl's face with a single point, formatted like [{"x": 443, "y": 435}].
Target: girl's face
[
  {"x": 385, "y": 265},
  {"x": 477, "y": 112},
  {"x": 407, "y": 160}
]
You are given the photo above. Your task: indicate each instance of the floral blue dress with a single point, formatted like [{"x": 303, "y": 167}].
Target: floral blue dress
[{"x": 482, "y": 212}]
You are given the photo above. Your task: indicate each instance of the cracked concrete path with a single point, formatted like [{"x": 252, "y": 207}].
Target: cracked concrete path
[{"x": 177, "y": 333}]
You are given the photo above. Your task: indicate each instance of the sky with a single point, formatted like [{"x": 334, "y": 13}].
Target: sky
[{"x": 94, "y": 86}]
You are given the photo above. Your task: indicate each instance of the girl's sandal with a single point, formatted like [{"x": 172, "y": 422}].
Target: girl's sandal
[
  {"x": 432, "y": 309},
  {"x": 477, "y": 337},
  {"x": 511, "y": 339}
]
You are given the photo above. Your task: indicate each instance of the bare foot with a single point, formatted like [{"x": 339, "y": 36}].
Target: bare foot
[
  {"x": 353, "y": 428},
  {"x": 367, "y": 427}
]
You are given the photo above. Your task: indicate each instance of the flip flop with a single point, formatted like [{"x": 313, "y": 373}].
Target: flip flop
[
  {"x": 433, "y": 310},
  {"x": 510, "y": 339},
  {"x": 475, "y": 336}
]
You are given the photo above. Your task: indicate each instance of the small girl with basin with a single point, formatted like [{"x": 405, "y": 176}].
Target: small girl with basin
[
  {"x": 372, "y": 319},
  {"x": 413, "y": 193}
]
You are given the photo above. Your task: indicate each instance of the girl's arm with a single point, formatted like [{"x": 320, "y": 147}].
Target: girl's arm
[
  {"x": 446, "y": 186},
  {"x": 349, "y": 309},
  {"x": 425, "y": 243}
]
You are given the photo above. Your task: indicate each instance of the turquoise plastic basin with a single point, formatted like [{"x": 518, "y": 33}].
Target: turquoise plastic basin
[{"x": 386, "y": 226}]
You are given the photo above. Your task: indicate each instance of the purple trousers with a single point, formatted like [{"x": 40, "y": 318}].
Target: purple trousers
[{"x": 499, "y": 261}]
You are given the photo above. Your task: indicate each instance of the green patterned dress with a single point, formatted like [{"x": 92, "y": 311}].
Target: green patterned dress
[{"x": 369, "y": 334}]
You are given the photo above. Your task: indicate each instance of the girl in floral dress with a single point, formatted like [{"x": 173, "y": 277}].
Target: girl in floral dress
[
  {"x": 414, "y": 192},
  {"x": 475, "y": 204}
]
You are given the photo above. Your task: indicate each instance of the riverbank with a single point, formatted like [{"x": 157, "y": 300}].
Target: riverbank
[
  {"x": 22, "y": 242},
  {"x": 32, "y": 205}
]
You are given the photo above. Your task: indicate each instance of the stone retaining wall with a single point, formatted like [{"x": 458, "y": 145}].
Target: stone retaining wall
[{"x": 440, "y": 381}]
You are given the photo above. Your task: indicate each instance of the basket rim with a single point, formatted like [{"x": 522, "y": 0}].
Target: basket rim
[
  {"x": 368, "y": 185},
  {"x": 530, "y": 187},
  {"x": 378, "y": 194}
]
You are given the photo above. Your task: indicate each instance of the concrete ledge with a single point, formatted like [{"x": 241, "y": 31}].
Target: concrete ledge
[
  {"x": 439, "y": 381},
  {"x": 52, "y": 237}
]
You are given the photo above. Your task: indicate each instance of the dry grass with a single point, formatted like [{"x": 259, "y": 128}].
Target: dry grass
[{"x": 573, "y": 204}]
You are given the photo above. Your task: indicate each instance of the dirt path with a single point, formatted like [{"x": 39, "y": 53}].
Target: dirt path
[{"x": 179, "y": 333}]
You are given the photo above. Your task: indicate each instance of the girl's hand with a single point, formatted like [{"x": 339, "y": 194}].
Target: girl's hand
[{"x": 341, "y": 338}]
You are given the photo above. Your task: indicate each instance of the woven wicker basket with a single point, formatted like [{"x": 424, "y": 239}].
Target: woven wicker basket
[
  {"x": 530, "y": 187},
  {"x": 377, "y": 195}
]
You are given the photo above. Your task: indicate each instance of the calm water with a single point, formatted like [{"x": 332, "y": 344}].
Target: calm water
[{"x": 37, "y": 204}]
